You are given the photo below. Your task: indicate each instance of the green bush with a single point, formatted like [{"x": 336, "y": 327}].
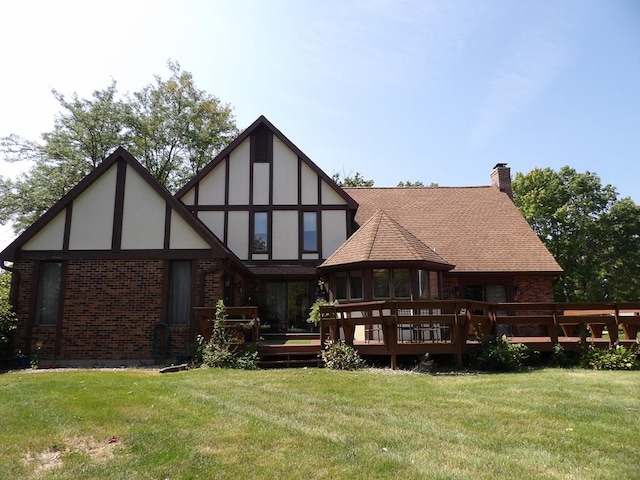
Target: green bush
[
  {"x": 337, "y": 355},
  {"x": 496, "y": 354},
  {"x": 221, "y": 351},
  {"x": 563, "y": 359},
  {"x": 8, "y": 319},
  {"x": 614, "y": 358}
]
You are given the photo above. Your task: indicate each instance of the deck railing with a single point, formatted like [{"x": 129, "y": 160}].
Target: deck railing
[
  {"x": 450, "y": 326},
  {"x": 239, "y": 319}
]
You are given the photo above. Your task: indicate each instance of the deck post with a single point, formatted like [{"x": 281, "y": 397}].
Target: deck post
[{"x": 460, "y": 328}]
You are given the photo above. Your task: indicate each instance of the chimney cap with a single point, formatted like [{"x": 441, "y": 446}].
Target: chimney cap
[{"x": 500, "y": 165}]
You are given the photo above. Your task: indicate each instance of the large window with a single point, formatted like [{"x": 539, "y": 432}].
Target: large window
[
  {"x": 381, "y": 283},
  {"x": 341, "y": 286},
  {"x": 348, "y": 285},
  {"x": 310, "y": 231},
  {"x": 429, "y": 285},
  {"x": 394, "y": 283},
  {"x": 179, "y": 292},
  {"x": 49, "y": 290},
  {"x": 355, "y": 285},
  {"x": 401, "y": 283},
  {"x": 260, "y": 232}
]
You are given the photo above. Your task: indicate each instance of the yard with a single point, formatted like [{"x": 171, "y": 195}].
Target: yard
[{"x": 316, "y": 423}]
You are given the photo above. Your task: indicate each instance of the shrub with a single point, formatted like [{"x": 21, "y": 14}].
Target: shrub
[
  {"x": 8, "y": 319},
  {"x": 314, "y": 312},
  {"x": 222, "y": 351},
  {"x": 337, "y": 355},
  {"x": 614, "y": 358},
  {"x": 496, "y": 354},
  {"x": 563, "y": 359}
]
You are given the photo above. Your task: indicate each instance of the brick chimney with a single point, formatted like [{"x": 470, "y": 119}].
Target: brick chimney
[{"x": 501, "y": 179}]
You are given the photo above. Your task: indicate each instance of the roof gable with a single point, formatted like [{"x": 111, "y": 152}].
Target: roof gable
[
  {"x": 477, "y": 229},
  {"x": 258, "y": 124},
  {"x": 119, "y": 206},
  {"x": 381, "y": 239}
]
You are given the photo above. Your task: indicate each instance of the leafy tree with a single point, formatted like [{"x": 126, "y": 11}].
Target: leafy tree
[
  {"x": 172, "y": 127},
  {"x": 594, "y": 236},
  {"x": 7, "y": 316},
  {"x": 82, "y": 136},
  {"x": 620, "y": 252},
  {"x": 176, "y": 128},
  {"x": 348, "y": 180},
  {"x": 417, "y": 183},
  {"x": 408, "y": 183}
]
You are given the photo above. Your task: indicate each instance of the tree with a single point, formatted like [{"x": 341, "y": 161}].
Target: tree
[
  {"x": 7, "y": 316},
  {"x": 176, "y": 128},
  {"x": 417, "y": 183},
  {"x": 347, "y": 180},
  {"x": 172, "y": 127},
  {"x": 408, "y": 183},
  {"x": 620, "y": 244},
  {"x": 594, "y": 236},
  {"x": 82, "y": 136}
]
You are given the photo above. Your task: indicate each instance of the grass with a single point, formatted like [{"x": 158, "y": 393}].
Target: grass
[{"x": 319, "y": 424}]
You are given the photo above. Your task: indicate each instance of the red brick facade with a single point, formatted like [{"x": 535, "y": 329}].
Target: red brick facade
[
  {"x": 111, "y": 310},
  {"x": 522, "y": 289}
]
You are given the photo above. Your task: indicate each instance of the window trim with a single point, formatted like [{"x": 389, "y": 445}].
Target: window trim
[
  {"x": 304, "y": 231},
  {"x": 267, "y": 233}
]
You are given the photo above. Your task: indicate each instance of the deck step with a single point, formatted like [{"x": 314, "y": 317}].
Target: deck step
[{"x": 290, "y": 362}]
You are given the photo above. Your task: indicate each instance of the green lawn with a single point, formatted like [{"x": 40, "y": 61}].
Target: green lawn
[{"x": 315, "y": 423}]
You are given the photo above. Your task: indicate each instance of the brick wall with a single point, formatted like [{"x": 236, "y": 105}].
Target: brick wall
[
  {"x": 209, "y": 280},
  {"x": 531, "y": 288},
  {"x": 111, "y": 309}
]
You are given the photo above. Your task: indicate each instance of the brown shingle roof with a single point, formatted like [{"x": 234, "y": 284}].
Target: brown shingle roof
[
  {"x": 382, "y": 239},
  {"x": 477, "y": 229}
]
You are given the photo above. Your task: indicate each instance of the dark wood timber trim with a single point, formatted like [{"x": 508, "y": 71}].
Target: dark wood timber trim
[
  {"x": 118, "y": 209},
  {"x": 67, "y": 227},
  {"x": 109, "y": 255},
  {"x": 263, "y": 208},
  {"x": 167, "y": 227}
]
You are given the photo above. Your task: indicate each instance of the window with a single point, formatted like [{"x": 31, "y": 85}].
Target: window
[
  {"x": 428, "y": 284},
  {"x": 401, "y": 283},
  {"x": 394, "y": 283},
  {"x": 355, "y": 284},
  {"x": 48, "y": 300},
  {"x": 381, "y": 283},
  {"x": 341, "y": 286},
  {"x": 310, "y": 231},
  {"x": 348, "y": 285},
  {"x": 260, "y": 232},
  {"x": 179, "y": 292}
]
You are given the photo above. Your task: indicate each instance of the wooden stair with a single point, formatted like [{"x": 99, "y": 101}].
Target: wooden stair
[{"x": 286, "y": 352}]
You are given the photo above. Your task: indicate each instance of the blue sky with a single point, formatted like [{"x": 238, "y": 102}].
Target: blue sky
[{"x": 437, "y": 91}]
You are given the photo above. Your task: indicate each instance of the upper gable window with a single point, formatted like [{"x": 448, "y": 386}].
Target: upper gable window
[
  {"x": 310, "y": 231},
  {"x": 260, "y": 242},
  {"x": 262, "y": 145}
]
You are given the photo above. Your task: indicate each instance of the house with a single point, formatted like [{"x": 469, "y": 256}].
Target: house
[{"x": 112, "y": 272}]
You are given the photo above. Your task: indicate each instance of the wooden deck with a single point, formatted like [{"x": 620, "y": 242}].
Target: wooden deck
[
  {"x": 393, "y": 329},
  {"x": 396, "y": 328}
]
